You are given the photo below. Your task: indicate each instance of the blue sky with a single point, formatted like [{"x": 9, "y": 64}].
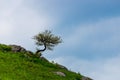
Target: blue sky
[{"x": 89, "y": 29}]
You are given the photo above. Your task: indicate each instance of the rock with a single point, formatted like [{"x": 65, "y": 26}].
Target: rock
[
  {"x": 60, "y": 73},
  {"x": 16, "y": 48},
  {"x": 86, "y": 78},
  {"x": 30, "y": 52},
  {"x": 61, "y": 66},
  {"x": 44, "y": 59}
]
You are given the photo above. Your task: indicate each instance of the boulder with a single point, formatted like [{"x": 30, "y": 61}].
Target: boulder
[
  {"x": 30, "y": 52},
  {"x": 86, "y": 78},
  {"x": 44, "y": 59},
  {"x": 61, "y": 66},
  {"x": 16, "y": 48},
  {"x": 60, "y": 73}
]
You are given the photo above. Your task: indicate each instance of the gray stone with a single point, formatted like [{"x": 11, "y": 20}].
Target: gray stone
[
  {"x": 16, "y": 48},
  {"x": 44, "y": 59},
  {"x": 61, "y": 66},
  {"x": 60, "y": 73},
  {"x": 86, "y": 78},
  {"x": 30, "y": 52}
]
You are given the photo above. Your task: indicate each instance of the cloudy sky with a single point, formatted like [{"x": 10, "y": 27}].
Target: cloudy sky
[{"x": 90, "y": 30}]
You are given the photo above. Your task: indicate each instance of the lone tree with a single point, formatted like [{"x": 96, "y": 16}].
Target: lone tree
[{"x": 46, "y": 39}]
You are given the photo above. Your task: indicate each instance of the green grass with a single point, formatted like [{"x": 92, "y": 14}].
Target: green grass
[{"x": 15, "y": 66}]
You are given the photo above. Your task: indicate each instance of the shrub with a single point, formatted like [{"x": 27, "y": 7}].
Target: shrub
[{"x": 5, "y": 48}]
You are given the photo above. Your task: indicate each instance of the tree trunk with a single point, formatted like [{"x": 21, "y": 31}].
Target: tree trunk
[{"x": 38, "y": 54}]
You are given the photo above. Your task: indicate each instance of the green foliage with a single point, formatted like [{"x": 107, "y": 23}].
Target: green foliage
[
  {"x": 18, "y": 67},
  {"x": 5, "y": 48},
  {"x": 47, "y": 39}
]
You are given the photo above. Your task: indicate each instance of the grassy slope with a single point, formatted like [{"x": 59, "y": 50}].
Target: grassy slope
[{"x": 14, "y": 66}]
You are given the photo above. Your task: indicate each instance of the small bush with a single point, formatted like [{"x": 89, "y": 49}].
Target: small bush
[{"x": 5, "y": 48}]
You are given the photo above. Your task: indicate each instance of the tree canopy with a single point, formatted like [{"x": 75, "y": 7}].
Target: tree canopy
[{"x": 46, "y": 39}]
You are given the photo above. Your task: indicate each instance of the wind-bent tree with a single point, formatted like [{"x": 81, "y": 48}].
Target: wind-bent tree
[{"x": 46, "y": 39}]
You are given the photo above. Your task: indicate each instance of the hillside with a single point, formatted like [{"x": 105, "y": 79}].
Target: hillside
[{"x": 20, "y": 65}]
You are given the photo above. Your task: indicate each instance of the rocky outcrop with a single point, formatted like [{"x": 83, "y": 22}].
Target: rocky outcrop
[
  {"x": 44, "y": 59},
  {"x": 61, "y": 66},
  {"x": 16, "y": 48},
  {"x": 86, "y": 78},
  {"x": 60, "y": 73}
]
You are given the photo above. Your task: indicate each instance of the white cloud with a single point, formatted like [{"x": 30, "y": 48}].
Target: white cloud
[
  {"x": 8, "y": 6},
  {"x": 4, "y": 30},
  {"x": 98, "y": 36},
  {"x": 103, "y": 34},
  {"x": 108, "y": 70},
  {"x": 19, "y": 22}
]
